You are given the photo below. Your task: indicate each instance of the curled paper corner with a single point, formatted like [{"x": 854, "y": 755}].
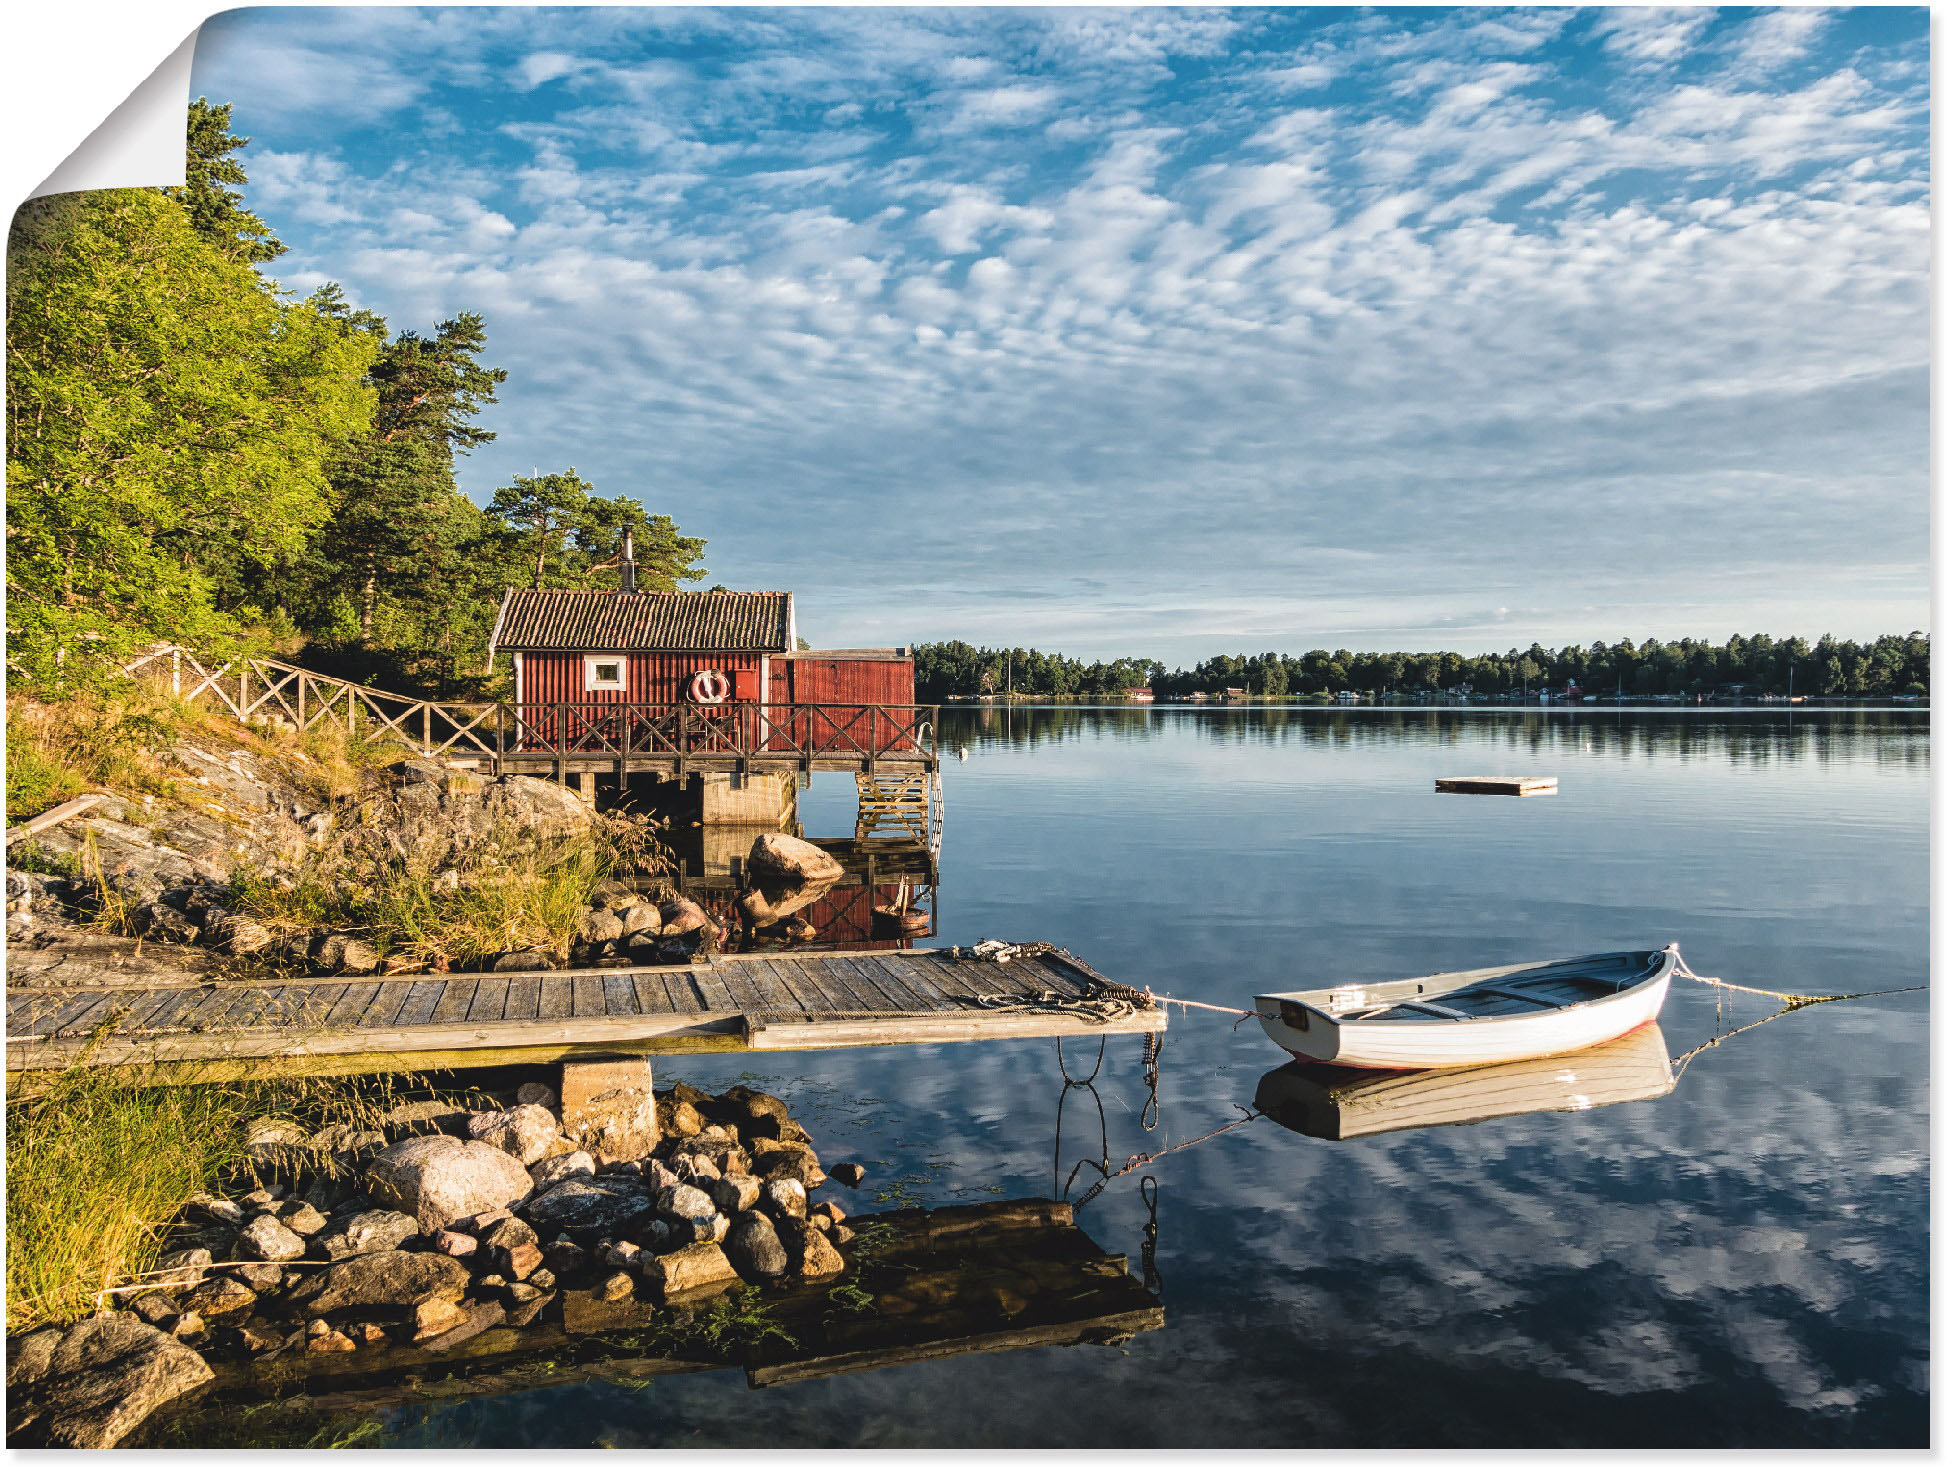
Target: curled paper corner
[{"x": 140, "y": 144}]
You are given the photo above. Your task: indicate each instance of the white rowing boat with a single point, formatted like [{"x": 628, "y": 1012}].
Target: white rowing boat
[
  {"x": 1480, "y": 1016},
  {"x": 1330, "y": 1102}
]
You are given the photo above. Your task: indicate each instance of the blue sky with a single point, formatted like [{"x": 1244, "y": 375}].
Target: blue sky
[{"x": 1165, "y": 332}]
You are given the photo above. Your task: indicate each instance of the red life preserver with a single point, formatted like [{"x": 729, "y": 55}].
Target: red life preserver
[{"x": 710, "y": 686}]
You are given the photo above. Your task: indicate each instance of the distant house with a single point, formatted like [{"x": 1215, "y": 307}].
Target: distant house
[
  {"x": 1139, "y": 695},
  {"x": 1348, "y": 696},
  {"x": 1233, "y": 693}
]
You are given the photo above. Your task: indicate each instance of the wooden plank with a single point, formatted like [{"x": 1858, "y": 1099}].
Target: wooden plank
[
  {"x": 859, "y": 995},
  {"x": 249, "y": 1006},
  {"x": 586, "y": 995},
  {"x": 777, "y": 996},
  {"x": 490, "y": 998},
  {"x": 198, "y": 1016},
  {"x": 912, "y": 995},
  {"x": 456, "y": 995},
  {"x": 384, "y": 1011},
  {"x": 352, "y": 1004},
  {"x": 555, "y": 997},
  {"x": 652, "y": 996},
  {"x": 96, "y": 1011},
  {"x": 711, "y": 988},
  {"x": 619, "y": 994},
  {"x": 65, "y": 811},
  {"x": 422, "y": 996},
  {"x": 67, "y": 1008},
  {"x": 523, "y": 996},
  {"x": 813, "y": 983},
  {"x": 745, "y": 993},
  {"x": 937, "y": 1029},
  {"x": 868, "y": 980},
  {"x": 923, "y": 977}
]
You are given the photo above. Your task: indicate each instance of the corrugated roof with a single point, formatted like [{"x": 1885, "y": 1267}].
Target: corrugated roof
[{"x": 610, "y": 621}]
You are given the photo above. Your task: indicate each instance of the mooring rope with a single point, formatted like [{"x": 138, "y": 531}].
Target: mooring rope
[{"x": 1789, "y": 1001}]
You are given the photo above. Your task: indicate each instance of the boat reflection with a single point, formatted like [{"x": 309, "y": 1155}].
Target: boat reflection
[{"x": 1337, "y": 1103}]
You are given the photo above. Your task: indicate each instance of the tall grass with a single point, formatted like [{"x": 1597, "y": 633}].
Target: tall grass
[
  {"x": 95, "y": 1168},
  {"x": 100, "y": 1164}
]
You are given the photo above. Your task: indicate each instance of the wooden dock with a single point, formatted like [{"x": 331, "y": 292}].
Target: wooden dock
[
  {"x": 1500, "y": 785},
  {"x": 200, "y": 1027}
]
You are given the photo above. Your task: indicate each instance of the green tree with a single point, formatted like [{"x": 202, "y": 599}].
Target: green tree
[
  {"x": 169, "y": 422},
  {"x": 217, "y": 213}
]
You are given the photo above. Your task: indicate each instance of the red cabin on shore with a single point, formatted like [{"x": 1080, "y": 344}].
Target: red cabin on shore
[{"x": 609, "y": 667}]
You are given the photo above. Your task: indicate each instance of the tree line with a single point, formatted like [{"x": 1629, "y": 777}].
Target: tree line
[
  {"x": 1830, "y": 667},
  {"x": 195, "y": 456}
]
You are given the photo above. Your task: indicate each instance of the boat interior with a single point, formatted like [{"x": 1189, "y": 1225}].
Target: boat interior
[{"x": 1499, "y": 993}]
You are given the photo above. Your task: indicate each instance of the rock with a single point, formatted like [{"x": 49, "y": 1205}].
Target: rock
[
  {"x": 784, "y": 1198},
  {"x": 524, "y": 1132},
  {"x": 92, "y": 1385},
  {"x": 522, "y": 1314},
  {"x": 683, "y": 1201},
  {"x": 610, "y": 1110},
  {"x": 349, "y": 1146},
  {"x": 680, "y": 915},
  {"x": 588, "y": 1208},
  {"x": 161, "y": 923},
  {"x": 754, "y": 1248},
  {"x": 455, "y": 1244},
  {"x": 367, "y": 1334},
  {"x": 368, "y": 1232},
  {"x": 220, "y": 1298},
  {"x": 524, "y": 960},
  {"x": 420, "y": 1118},
  {"x": 184, "y": 1267},
  {"x": 511, "y": 1248},
  {"x": 436, "y": 1317},
  {"x": 218, "y": 1210},
  {"x": 390, "y": 1279},
  {"x": 678, "y": 1118},
  {"x": 614, "y": 1287},
  {"x": 302, "y": 1218},
  {"x": 786, "y": 861},
  {"x": 187, "y": 1326},
  {"x": 701, "y": 1266},
  {"x": 266, "y": 1238},
  {"x": 154, "y": 1308},
  {"x": 797, "y": 1166},
  {"x": 342, "y": 953},
  {"x": 848, "y": 1173},
  {"x": 235, "y": 934},
  {"x": 642, "y": 920},
  {"x": 812, "y": 1253},
  {"x": 542, "y": 1279},
  {"x": 600, "y": 926},
  {"x": 534, "y": 1093},
  {"x": 734, "y": 1195},
  {"x": 561, "y": 1168},
  {"x": 565, "y": 1258},
  {"x": 439, "y": 1179},
  {"x": 481, "y": 1317},
  {"x": 265, "y": 1278},
  {"x": 257, "y": 1340},
  {"x": 832, "y": 1212},
  {"x": 761, "y": 909},
  {"x": 330, "y": 1341}
]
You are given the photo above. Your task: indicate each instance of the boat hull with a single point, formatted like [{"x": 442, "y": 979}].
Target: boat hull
[{"x": 1491, "y": 1040}]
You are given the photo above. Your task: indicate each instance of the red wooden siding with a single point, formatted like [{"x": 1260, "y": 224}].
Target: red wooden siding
[
  {"x": 662, "y": 678},
  {"x": 814, "y": 679}
]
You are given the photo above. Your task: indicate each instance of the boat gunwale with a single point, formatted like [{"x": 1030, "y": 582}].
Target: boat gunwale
[{"x": 1660, "y": 966}]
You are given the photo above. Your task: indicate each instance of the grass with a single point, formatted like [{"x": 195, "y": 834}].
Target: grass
[{"x": 99, "y": 1166}]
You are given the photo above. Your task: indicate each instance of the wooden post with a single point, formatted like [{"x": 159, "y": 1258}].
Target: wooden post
[{"x": 176, "y": 671}]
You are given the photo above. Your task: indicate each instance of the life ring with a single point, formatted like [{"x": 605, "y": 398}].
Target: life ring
[{"x": 710, "y": 686}]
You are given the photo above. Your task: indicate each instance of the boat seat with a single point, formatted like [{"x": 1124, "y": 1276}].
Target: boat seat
[
  {"x": 1443, "y": 1010},
  {"x": 1518, "y": 994}
]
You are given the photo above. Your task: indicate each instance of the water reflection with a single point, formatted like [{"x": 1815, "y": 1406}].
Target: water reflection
[
  {"x": 1734, "y": 736},
  {"x": 1336, "y": 1103},
  {"x": 885, "y": 899}
]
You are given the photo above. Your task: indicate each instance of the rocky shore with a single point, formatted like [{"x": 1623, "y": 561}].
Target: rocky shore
[{"x": 438, "y": 1223}]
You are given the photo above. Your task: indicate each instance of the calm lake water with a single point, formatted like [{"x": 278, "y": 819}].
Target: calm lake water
[{"x": 1740, "y": 1262}]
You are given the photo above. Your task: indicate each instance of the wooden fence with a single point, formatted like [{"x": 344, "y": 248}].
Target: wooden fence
[{"x": 784, "y": 735}]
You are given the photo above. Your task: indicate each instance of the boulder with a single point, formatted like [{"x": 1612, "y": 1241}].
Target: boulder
[
  {"x": 369, "y": 1232},
  {"x": 479, "y": 1318},
  {"x": 525, "y": 1132},
  {"x": 524, "y": 960},
  {"x": 610, "y": 1110},
  {"x": 590, "y": 1208},
  {"x": 678, "y": 1118},
  {"x": 182, "y": 1268},
  {"x": 780, "y": 861},
  {"x": 266, "y": 1238},
  {"x": 560, "y": 1168},
  {"x": 784, "y": 1198},
  {"x": 512, "y": 1249},
  {"x": 683, "y": 1202},
  {"x": 534, "y": 1093},
  {"x": 680, "y": 915},
  {"x": 642, "y": 920},
  {"x": 796, "y": 1166},
  {"x": 761, "y": 908},
  {"x": 439, "y": 1179},
  {"x": 92, "y": 1385},
  {"x": 221, "y": 1298},
  {"x": 159, "y": 922},
  {"x": 734, "y": 1195},
  {"x": 264, "y": 1278},
  {"x": 700, "y": 1266},
  {"x": 812, "y": 1253},
  {"x": 343, "y": 953},
  {"x": 391, "y": 1279},
  {"x": 848, "y": 1173},
  {"x": 301, "y": 1218},
  {"x": 421, "y": 1118},
  {"x": 754, "y": 1248},
  {"x": 235, "y": 934},
  {"x": 600, "y": 925}
]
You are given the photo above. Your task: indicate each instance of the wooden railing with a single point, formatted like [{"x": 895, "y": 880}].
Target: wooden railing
[{"x": 778, "y": 734}]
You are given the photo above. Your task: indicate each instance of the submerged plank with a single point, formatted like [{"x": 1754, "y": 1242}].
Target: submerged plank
[{"x": 1499, "y": 784}]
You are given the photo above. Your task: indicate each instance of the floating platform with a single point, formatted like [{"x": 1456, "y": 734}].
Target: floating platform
[
  {"x": 198, "y": 1027},
  {"x": 1499, "y": 785}
]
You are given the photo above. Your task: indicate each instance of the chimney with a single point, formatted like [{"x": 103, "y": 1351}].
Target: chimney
[{"x": 630, "y": 563}]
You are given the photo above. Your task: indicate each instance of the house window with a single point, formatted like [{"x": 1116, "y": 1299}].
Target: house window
[{"x": 603, "y": 672}]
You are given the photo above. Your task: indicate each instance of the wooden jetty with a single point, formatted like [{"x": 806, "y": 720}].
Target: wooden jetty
[
  {"x": 1499, "y": 785},
  {"x": 198, "y": 1026}
]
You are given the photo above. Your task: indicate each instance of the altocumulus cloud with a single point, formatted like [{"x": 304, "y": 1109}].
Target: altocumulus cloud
[{"x": 1166, "y": 331}]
